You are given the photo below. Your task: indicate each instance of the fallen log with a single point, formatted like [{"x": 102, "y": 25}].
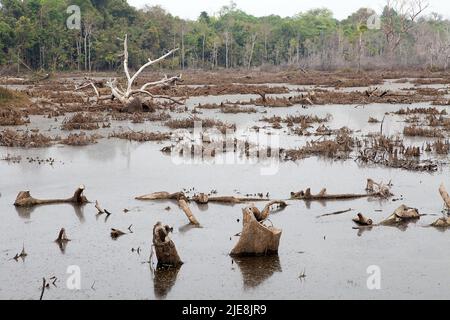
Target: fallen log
[
  {"x": 256, "y": 239},
  {"x": 163, "y": 195},
  {"x": 322, "y": 195},
  {"x": 185, "y": 207},
  {"x": 24, "y": 199},
  {"x": 401, "y": 215},
  {"x": 362, "y": 220},
  {"x": 166, "y": 252}
]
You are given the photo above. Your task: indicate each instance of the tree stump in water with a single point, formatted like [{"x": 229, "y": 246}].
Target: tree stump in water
[
  {"x": 256, "y": 238},
  {"x": 165, "y": 249}
]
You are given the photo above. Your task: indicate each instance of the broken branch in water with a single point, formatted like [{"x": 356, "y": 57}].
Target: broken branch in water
[
  {"x": 62, "y": 237},
  {"x": 99, "y": 209},
  {"x": 185, "y": 207},
  {"x": 162, "y": 196},
  {"x": 362, "y": 220},
  {"x": 21, "y": 255},
  {"x": 24, "y": 199}
]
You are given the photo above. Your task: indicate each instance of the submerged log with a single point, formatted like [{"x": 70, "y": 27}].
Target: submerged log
[
  {"x": 322, "y": 195},
  {"x": 256, "y": 238},
  {"x": 24, "y": 199},
  {"x": 165, "y": 249},
  {"x": 373, "y": 189},
  {"x": 401, "y": 214}
]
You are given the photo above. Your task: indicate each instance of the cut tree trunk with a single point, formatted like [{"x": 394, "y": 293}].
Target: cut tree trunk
[
  {"x": 256, "y": 239},
  {"x": 165, "y": 249},
  {"x": 24, "y": 199}
]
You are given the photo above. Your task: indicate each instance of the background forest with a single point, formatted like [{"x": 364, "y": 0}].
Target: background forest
[{"x": 33, "y": 33}]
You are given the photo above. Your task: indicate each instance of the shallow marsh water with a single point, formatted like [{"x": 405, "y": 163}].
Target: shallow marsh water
[{"x": 334, "y": 257}]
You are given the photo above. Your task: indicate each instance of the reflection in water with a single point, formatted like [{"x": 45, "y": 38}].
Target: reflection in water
[
  {"x": 188, "y": 227},
  {"x": 255, "y": 270},
  {"x": 62, "y": 245},
  {"x": 164, "y": 280},
  {"x": 25, "y": 212}
]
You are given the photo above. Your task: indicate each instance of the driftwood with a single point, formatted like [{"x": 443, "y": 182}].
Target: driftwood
[
  {"x": 322, "y": 195},
  {"x": 202, "y": 198},
  {"x": 373, "y": 189},
  {"x": 256, "y": 238},
  {"x": 185, "y": 207},
  {"x": 165, "y": 249},
  {"x": 362, "y": 220},
  {"x": 163, "y": 195},
  {"x": 24, "y": 199},
  {"x": 401, "y": 215}
]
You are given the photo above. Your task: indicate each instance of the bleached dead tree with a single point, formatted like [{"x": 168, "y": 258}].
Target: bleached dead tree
[{"x": 130, "y": 95}]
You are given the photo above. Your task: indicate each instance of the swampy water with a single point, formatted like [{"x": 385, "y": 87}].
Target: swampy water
[{"x": 332, "y": 256}]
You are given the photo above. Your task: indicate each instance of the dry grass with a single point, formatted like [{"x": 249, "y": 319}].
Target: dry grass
[
  {"x": 81, "y": 121},
  {"x": 141, "y": 136},
  {"x": 12, "y": 117},
  {"x": 11, "y": 98},
  {"x": 189, "y": 123},
  {"x": 11, "y": 138},
  {"x": 414, "y": 131},
  {"x": 430, "y": 110},
  {"x": 80, "y": 139}
]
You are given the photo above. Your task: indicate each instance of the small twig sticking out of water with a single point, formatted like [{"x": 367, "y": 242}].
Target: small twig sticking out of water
[
  {"x": 44, "y": 285},
  {"x": 302, "y": 275}
]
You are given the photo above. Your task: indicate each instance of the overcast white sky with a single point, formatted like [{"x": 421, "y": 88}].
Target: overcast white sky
[{"x": 342, "y": 8}]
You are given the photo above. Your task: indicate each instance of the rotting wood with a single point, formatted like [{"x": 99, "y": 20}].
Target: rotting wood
[
  {"x": 401, "y": 215},
  {"x": 185, "y": 207},
  {"x": 256, "y": 238},
  {"x": 373, "y": 189},
  {"x": 163, "y": 195},
  {"x": 362, "y": 220},
  {"x": 166, "y": 252},
  {"x": 24, "y": 199}
]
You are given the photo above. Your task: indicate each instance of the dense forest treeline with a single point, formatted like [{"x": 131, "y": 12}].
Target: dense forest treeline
[{"x": 34, "y": 34}]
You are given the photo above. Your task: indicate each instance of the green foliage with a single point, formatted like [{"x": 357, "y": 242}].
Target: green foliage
[{"x": 35, "y": 32}]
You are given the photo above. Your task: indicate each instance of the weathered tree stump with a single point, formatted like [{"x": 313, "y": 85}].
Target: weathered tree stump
[
  {"x": 166, "y": 252},
  {"x": 24, "y": 199},
  {"x": 401, "y": 215},
  {"x": 256, "y": 238}
]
